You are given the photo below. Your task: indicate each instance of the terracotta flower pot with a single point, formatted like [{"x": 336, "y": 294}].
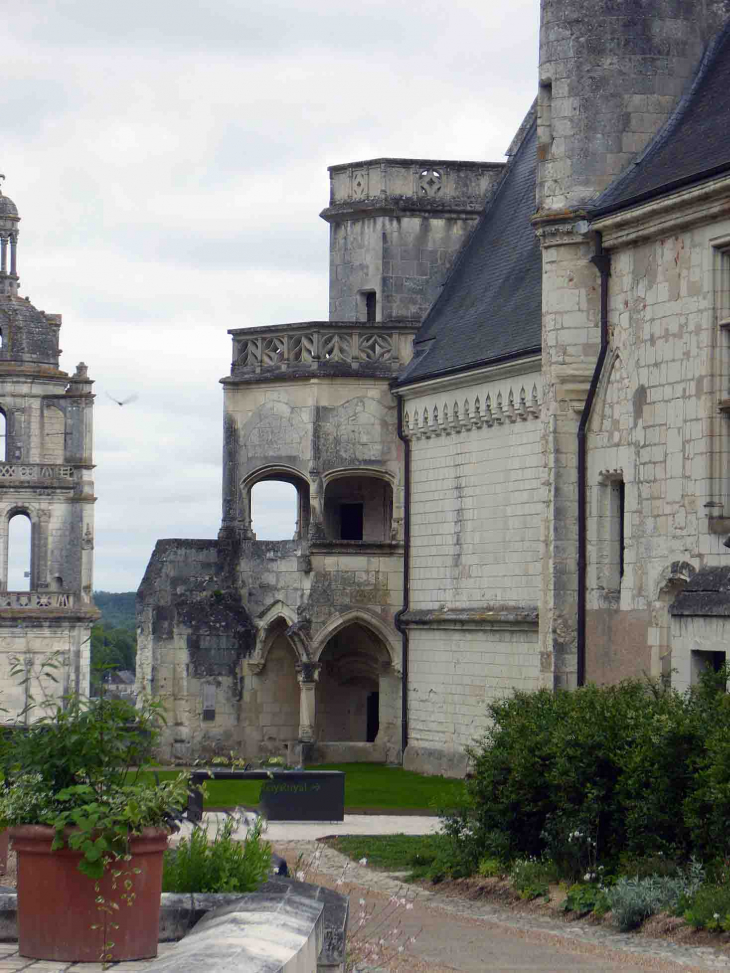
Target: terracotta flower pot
[{"x": 59, "y": 917}]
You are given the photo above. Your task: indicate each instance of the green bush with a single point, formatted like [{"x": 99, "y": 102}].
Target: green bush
[
  {"x": 709, "y": 908},
  {"x": 632, "y": 900},
  {"x": 531, "y": 877},
  {"x": 223, "y": 865},
  {"x": 584, "y": 898},
  {"x": 601, "y": 774}
]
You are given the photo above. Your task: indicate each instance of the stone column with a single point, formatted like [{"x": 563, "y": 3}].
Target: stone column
[
  {"x": 308, "y": 676},
  {"x": 571, "y": 343},
  {"x": 4, "y": 255}
]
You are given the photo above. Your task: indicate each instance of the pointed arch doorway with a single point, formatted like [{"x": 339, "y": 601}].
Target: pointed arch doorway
[{"x": 357, "y": 695}]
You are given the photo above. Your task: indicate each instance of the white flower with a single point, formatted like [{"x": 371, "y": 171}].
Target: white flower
[
  {"x": 363, "y": 861},
  {"x": 362, "y": 902},
  {"x": 409, "y": 906},
  {"x": 300, "y": 876},
  {"x": 715, "y": 915}
]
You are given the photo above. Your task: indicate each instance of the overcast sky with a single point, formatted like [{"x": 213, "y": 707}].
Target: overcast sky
[{"x": 169, "y": 160}]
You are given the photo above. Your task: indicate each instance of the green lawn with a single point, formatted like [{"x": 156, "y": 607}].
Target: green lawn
[
  {"x": 367, "y": 787},
  {"x": 392, "y": 852}
]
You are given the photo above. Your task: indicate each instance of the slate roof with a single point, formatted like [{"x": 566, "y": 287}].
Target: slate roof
[
  {"x": 490, "y": 307},
  {"x": 707, "y": 593},
  {"x": 694, "y": 144}
]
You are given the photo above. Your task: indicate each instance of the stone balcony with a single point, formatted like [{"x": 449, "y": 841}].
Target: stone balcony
[
  {"x": 33, "y": 473},
  {"x": 321, "y": 348},
  {"x": 38, "y": 599}
]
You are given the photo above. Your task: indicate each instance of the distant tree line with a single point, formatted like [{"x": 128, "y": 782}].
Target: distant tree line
[{"x": 114, "y": 637}]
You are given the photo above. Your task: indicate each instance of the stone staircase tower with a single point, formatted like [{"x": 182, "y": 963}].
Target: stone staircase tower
[{"x": 45, "y": 478}]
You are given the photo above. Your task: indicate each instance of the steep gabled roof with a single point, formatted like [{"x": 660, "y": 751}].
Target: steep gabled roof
[
  {"x": 490, "y": 306},
  {"x": 694, "y": 143}
]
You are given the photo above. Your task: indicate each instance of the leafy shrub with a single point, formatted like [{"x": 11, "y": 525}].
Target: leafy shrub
[
  {"x": 490, "y": 867},
  {"x": 585, "y": 897},
  {"x": 531, "y": 878},
  {"x": 223, "y": 865},
  {"x": 601, "y": 774},
  {"x": 709, "y": 908}
]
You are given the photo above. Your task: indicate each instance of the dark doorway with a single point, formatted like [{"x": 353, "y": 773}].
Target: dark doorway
[
  {"x": 351, "y": 521},
  {"x": 373, "y": 717}
]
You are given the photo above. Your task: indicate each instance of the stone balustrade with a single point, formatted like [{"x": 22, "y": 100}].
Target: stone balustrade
[
  {"x": 37, "y": 599},
  {"x": 36, "y": 471},
  {"x": 322, "y": 346}
]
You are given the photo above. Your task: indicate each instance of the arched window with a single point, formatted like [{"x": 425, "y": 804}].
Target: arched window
[
  {"x": 358, "y": 508},
  {"x": 274, "y": 510},
  {"x": 19, "y": 552}
]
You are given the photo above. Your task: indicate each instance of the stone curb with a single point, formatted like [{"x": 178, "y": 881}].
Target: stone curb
[{"x": 254, "y": 931}]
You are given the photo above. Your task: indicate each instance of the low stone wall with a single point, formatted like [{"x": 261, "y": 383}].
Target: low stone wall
[{"x": 286, "y": 925}]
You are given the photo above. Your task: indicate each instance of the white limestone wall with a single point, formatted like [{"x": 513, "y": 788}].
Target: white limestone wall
[
  {"x": 476, "y": 506},
  {"x": 476, "y": 497}
]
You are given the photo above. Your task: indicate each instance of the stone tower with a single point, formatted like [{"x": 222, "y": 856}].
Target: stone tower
[
  {"x": 46, "y": 479},
  {"x": 611, "y": 73},
  {"x": 264, "y": 646},
  {"x": 395, "y": 227}
]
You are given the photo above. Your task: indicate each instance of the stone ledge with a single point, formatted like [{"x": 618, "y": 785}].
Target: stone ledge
[
  {"x": 285, "y": 925},
  {"x": 486, "y": 615}
]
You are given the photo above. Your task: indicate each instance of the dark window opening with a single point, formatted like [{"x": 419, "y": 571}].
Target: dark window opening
[
  {"x": 370, "y": 306},
  {"x": 702, "y": 661},
  {"x": 208, "y": 702},
  {"x": 373, "y": 717},
  {"x": 351, "y": 521}
]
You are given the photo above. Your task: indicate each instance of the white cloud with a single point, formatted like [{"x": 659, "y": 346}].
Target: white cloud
[{"x": 169, "y": 162}]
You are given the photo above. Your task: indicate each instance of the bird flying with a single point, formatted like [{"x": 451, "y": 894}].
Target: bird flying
[{"x": 130, "y": 398}]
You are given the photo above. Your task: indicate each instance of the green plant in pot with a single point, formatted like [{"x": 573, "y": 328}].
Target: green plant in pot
[{"x": 90, "y": 833}]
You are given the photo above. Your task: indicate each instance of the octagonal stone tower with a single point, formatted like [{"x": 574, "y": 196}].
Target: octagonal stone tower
[{"x": 45, "y": 479}]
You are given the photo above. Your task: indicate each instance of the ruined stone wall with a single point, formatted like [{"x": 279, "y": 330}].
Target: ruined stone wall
[
  {"x": 476, "y": 507},
  {"x": 657, "y": 429}
]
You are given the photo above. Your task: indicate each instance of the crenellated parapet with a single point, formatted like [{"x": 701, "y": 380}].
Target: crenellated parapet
[{"x": 321, "y": 347}]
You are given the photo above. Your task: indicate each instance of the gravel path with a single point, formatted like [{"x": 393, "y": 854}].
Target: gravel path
[{"x": 453, "y": 934}]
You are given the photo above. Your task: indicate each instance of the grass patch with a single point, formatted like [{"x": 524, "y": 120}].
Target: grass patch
[
  {"x": 367, "y": 786},
  {"x": 392, "y": 853}
]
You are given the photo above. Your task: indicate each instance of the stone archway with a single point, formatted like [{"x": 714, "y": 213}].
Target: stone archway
[
  {"x": 271, "y": 697},
  {"x": 357, "y": 696}
]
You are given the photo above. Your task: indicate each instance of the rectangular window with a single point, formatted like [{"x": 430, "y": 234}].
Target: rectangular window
[
  {"x": 612, "y": 532},
  {"x": 208, "y": 702},
  {"x": 351, "y": 521},
  {"x": 367, "y": 306}
]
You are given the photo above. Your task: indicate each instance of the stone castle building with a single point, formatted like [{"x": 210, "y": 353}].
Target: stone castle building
[
  {"x": 45, "y": 480},
  {"x": 510, "y": 441}
]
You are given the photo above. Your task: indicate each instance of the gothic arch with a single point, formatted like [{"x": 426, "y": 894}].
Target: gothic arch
[
  {"x": 368, "y": 620},
  {"x": 613, "y": 381},
  {"x": 278, "y": 619}
]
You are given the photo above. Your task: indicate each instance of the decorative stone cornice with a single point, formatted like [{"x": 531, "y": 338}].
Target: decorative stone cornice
[
  {"x": 659, "y": 217},
  {"x": 513, "y": 404},
  {"x": 567, "y": 227}
]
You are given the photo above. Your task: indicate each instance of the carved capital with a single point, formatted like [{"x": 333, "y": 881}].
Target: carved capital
[{"x": 308, "y": 672}]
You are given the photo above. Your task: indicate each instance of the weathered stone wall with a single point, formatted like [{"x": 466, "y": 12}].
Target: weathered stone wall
[
  {"x": 611, "y": 72},
  {"x": 396, "y": 227},
  {"x": 656, "y": 428}
]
